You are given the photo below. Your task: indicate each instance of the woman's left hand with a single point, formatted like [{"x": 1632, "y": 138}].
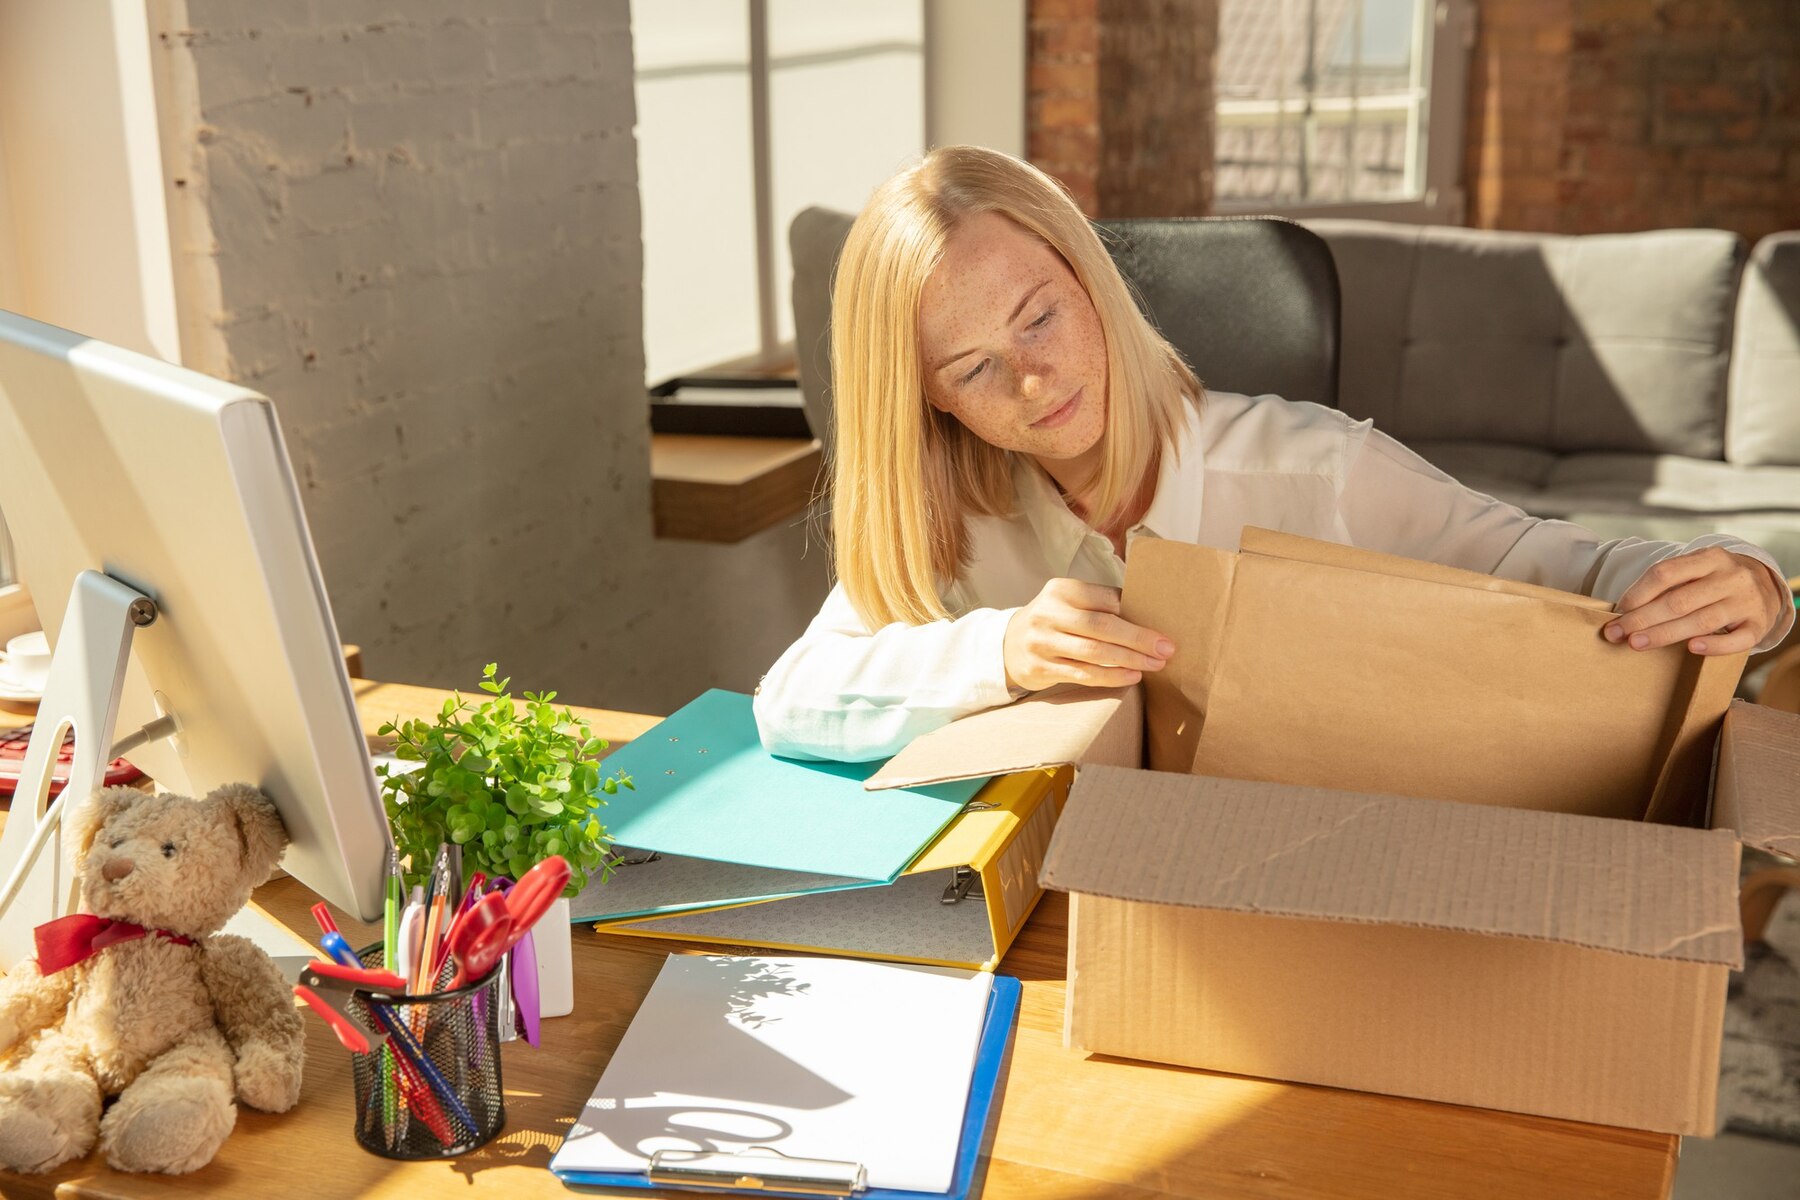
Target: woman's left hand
[{"x": 1719, "y": 602}]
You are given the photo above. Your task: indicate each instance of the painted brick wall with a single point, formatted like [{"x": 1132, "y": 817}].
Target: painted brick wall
[
  {"x": 414, "y": 224},
  {"x": 1120, "y": 103},
  {"x": 1595, "y": 115}
]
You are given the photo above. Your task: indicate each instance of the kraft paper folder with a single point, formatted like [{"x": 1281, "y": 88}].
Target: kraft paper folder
[
  {"x": 758, "y": 1075},
  {"x": 959, "y": 904},
  {"x": 713, "y": 818}
]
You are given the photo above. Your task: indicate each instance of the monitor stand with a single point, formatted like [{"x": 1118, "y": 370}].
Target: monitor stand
[{"x": 87, "y": 675}]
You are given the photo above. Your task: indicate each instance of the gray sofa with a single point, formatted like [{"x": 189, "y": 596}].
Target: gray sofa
[{"x": 1642, "y": 384}]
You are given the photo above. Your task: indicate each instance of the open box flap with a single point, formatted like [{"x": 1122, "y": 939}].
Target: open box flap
[
  {"x": 1064, "y": 725},
  {"x": 1758, "y": 790},
  {"x": 1203, "y": 842}
]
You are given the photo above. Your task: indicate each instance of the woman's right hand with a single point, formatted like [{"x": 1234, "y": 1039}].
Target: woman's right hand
[{"x": 1072, "y": 633}]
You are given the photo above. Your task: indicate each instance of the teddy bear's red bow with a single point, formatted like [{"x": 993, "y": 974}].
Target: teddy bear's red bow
[{"x": 68, "y": 940}]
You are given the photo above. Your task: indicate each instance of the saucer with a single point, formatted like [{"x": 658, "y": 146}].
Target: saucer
[{"x": 15, "y": 691}]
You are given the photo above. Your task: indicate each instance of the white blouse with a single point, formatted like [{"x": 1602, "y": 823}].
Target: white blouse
[{"x": 848, "y": 693}]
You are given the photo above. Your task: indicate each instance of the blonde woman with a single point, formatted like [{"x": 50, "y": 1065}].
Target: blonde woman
[{"x": 1008, "y": 423}]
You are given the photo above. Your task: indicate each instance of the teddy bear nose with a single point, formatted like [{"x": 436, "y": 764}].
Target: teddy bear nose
[{"x": 117, "y": 869}]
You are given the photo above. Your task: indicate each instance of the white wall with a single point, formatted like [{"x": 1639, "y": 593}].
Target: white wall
[
  {"x": 83, "y": 230},
  {"x": 419, "y": 233}
]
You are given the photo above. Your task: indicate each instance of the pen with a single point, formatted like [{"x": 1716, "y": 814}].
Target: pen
[
  {"x": 411, "y": 1054},
  {"x": 392, "y": 903},
  {"x": 390, "y": 916},
  {"x": 411, "y": 933},
  {"x": 436, "y": 900},
  {"x": 453, "y": 874}
]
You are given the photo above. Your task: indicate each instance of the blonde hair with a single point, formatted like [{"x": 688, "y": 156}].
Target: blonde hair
[{"x": 906, "y": 476}]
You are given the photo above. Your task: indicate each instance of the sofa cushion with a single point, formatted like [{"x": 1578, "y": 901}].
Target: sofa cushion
[
  {"x": 1660, "y": 497},
  {"x": 1551, "y": 485},
  {"x": 1603, "y": 342},
  {"x": 1671, "y": 483},
  {"x": 1762, "y": 425}
]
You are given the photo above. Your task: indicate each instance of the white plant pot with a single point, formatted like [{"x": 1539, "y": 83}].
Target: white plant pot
[{"x": 551, "y": 938}]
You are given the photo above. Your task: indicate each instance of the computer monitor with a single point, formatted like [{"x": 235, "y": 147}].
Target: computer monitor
[{"x": 179, "y": 486}]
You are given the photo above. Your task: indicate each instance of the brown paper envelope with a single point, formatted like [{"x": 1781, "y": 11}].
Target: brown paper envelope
[
  {"x": 1694, "y": 714},
  {"x": 1269, "y": 543},
  {"x": 1417, "y": 683}
]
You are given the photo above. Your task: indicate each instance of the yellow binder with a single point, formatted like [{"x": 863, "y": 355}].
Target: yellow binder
[{"x": 960, "y": 904}]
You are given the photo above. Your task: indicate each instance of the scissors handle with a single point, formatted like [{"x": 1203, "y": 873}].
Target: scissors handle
[
  {"x": 352, "y": 1036},
  {"x": 536, "y": 891}
]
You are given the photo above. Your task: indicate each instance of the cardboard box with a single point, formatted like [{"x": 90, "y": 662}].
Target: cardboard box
[
  {"x": 1494, "y": 952},
  {"x": 959, "y": 904}
]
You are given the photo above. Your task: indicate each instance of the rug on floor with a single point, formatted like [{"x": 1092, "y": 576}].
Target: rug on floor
[{"x": 1759, "y": 1065}]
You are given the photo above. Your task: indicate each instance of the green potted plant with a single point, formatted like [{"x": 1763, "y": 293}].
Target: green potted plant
[{"x": 512, "y": 784}]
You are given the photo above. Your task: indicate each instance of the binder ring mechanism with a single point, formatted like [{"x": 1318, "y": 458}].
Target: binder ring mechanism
[{"x": 758, "y": 1168}]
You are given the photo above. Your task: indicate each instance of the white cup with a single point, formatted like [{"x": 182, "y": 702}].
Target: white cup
[{"x": 25, "y": 663}]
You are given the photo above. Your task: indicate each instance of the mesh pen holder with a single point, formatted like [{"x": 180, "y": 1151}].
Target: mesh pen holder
[{"x": 402, "y": 1113}]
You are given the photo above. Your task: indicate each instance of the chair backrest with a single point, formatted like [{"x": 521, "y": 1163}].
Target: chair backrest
[
  {"x": 1250, "y": 302},
  {"x": 815, "y": 239}
]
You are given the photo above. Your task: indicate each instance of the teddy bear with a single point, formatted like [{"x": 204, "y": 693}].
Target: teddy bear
[{"x": 139, "y": 997}]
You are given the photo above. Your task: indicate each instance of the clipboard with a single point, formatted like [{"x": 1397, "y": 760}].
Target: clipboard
[{"x": 775, "y": 1174}]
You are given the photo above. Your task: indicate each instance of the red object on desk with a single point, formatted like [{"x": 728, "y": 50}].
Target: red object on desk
[{"x": 13, "y": 743}]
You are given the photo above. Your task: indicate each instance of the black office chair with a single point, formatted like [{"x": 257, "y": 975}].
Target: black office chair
[{"x": 1250, "y": 302}]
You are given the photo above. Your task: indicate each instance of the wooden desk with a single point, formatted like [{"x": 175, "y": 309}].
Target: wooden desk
[{"x": 1070, "y": 1127}]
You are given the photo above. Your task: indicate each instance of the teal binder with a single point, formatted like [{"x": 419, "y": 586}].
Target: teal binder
[{"x": 731, "y": 822}]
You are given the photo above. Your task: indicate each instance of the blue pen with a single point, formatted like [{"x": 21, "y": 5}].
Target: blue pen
[{"x": 340, "y": 951}]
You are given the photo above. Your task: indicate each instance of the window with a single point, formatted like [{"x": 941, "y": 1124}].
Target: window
[
  {"x": 749, "y": 112},
  {"x": 1342, "y": 107}
]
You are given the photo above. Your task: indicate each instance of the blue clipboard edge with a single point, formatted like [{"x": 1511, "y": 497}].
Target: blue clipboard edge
[{"x": 990, "y": 1053}]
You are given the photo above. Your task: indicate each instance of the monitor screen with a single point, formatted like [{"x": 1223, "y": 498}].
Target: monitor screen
[{"x": 179, "y": 485}]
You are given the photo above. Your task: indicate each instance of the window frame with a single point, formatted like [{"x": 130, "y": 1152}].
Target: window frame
[{"x": 1444, "y": 200}]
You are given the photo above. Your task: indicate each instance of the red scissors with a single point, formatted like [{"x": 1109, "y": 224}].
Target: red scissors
[{"x": 496, "y": 923}]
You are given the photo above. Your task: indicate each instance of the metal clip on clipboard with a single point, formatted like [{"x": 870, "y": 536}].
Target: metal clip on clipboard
[{"x": 759, "y": 1168}]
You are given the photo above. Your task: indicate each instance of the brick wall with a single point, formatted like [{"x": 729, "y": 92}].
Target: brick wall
[
  {"x": 1596, "y": 115},
  {"x": 1120, "y": 103},
  {"x": 414, "y": 225}
]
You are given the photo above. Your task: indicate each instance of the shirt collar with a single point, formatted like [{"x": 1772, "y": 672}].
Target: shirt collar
[
  {"x": 1174, "y": 513},
  {"x": 1059, "y": 531}
]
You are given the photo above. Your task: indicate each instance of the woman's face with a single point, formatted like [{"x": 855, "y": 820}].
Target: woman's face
[{"x": 1011, "y": 345}]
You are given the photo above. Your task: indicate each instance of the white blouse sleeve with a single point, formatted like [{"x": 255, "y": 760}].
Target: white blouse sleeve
[
  {"x": 844, "y": 693},
  {"x": 1394, "y": 501}
]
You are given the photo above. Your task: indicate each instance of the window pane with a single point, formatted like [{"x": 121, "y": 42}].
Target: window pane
[
  {"x": 1322, "y": 100},
  {"x": 696, "y": 184},
  {"x": 846, "y": 110}
]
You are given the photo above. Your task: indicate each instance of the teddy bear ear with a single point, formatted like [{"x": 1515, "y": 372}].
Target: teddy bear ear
[
  {"x": 259, "y": 826},
  {"x": 84, "y": 823}
]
